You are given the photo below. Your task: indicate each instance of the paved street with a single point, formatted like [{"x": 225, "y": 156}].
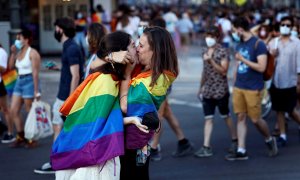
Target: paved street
[{"x": 18, "y": 164}]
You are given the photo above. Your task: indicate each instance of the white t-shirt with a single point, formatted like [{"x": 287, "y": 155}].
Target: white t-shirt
[
  {"x": 226, "y": 28},
  {"x": 3, "y": 59},
  {"x": 184, "y": 25}
]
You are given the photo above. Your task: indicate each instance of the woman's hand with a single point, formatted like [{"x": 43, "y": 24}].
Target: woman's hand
[
  {"x": 136, "y": 121},
  {"x": 130, "y": 62},
  {"x": 13, "y": 49}
]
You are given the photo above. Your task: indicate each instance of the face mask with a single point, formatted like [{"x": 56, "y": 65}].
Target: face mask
[
  {"x": 285, "y": 30},
  {"x": 262, "y": 33},
  {"x": 236, "y": 37},
  {"x": 140, "y": 30},
  {"x": 294, "y": 33},
  {"x": 79, "y": 16},
  {"x": 87, "y": 40},
  {"x": 18, "y": 44},
  {"x": 210, "y": 41},
  {"x": 58, "y": 36}
]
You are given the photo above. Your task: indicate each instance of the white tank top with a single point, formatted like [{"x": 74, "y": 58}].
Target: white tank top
[{"x": 24, "y": 65}]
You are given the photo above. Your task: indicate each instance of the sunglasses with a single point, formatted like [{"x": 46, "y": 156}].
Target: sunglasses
[{"x": 287, "y": 25}]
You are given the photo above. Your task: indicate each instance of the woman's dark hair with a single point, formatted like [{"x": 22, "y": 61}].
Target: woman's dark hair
[
  {"x": 96, "y": 32},
  {"x": 27, "y": 34},
  {"x": 67, "y": 25},
  {"x": 213, "y": 31},
  {"x": 159, "y": 21},
  {"x": 241, "y": 22},
  {"x": 164, "y": 52},
  {"x": 113, "y": 42}
]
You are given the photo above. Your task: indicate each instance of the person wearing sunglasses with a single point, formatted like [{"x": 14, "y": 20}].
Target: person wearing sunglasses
[{"x": 283, "y": 90}]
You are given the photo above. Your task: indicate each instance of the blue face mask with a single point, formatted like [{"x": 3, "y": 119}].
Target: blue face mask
[
  {"x": 18, "y": 44},
  {"x": 236, "y": 37},
  {"x": 140, "y": 30}
]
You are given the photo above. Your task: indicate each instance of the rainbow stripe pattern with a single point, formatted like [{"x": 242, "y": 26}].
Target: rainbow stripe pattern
[
  {"x": 93, "y": 130},
  {"x": 9, "y": 79},
  {"x": 143, "y": 98}
]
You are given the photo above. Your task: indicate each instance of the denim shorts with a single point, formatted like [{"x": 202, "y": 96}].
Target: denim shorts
[{"x": 24, "y": 86}]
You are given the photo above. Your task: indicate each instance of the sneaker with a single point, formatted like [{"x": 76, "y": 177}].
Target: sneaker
[
  {"x": 155, "y": 154},
  {"x": 8, "y": 138},
  {"x": 19, "y": 142},
  {"x": 237, "y": 156},
  {"x": 45, "y": 169},
  {"x": 204, "y": 152},
  {"x": 272, "y": 146},
  {"x": 281, "y": 141},
  {"x": 183, "y": 150},
  {"x": 233, "y": 147}
]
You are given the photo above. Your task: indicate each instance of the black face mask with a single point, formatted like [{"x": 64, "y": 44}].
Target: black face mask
[{"x": 58, "y": 36}]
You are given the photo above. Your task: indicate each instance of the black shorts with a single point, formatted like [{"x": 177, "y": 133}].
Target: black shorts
[
  {"x": 2, "y": 89},
  {"x": 209, "y": 106},
  {"x": 284, "y": 100}
]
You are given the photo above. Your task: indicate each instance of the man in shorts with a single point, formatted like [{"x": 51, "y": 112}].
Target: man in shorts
[{"x": 251, "y": 60}]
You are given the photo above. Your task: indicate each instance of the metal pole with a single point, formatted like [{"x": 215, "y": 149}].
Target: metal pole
[{"x": 14, "y": 20}]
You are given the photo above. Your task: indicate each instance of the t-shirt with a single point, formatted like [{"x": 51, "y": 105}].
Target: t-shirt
[
  {"x": 215, "y": 84},
  {"x": 3, "y": 59},
  {"x": 171, "y": 20},
  {"x": 248, "y": 78},
  {"x": 71, "y": 55}
]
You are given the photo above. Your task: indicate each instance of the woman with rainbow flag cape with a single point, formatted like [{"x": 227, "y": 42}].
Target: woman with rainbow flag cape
[
  {"x": 143, "y": 90},
  {"x": 92, "y": 138}
]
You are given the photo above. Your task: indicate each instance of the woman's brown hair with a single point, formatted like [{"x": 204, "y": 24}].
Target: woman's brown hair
[
  {"x": 95, "y": 33},
  {"x": 164, "y": 52}
]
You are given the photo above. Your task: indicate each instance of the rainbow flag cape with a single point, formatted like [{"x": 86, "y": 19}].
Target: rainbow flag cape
[
  {"x": 142, "y": 99},
  {"x": 93, "y": 130},
  {"x": 9, "y": 79}
]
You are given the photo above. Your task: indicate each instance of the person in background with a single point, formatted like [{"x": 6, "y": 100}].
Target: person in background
[
  {"x": 247, "y": 92},
  {"x": 94, "y": 36},
  {"x": 81, "y": 23},
  {"x": 184, "y": 147},
  {"x": 284, "y": 85},
  {"x": 8, "y": 136},
  {"x": 185, "y": 29},
  {"x": 71, "y": 75},
  {"x": 214, "y": 90},
  {"x": 27, "y": 61}
]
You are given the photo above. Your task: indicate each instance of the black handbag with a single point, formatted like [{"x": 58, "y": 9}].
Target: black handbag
[{"x": 151, "y": 120}]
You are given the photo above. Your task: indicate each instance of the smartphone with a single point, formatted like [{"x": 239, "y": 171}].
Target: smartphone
[{"x": 118, "y": 56}]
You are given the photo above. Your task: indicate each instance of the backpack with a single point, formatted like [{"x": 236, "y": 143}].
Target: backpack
[{"x": 270, "y": 68}]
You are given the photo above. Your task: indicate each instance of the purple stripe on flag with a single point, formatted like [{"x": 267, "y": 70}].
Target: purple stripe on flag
[{"x": 93, "y": 153}]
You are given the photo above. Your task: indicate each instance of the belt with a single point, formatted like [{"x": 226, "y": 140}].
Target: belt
[{"x": 24, "y": 75}]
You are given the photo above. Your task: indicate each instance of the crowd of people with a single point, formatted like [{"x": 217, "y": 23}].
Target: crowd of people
[{"x": 107, "y": 114}]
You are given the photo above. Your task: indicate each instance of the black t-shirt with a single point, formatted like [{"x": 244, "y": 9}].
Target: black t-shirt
[{"x": 71, "y": 55}]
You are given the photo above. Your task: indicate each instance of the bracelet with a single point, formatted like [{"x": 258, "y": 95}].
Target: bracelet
[{"x": 123, "y": 96}]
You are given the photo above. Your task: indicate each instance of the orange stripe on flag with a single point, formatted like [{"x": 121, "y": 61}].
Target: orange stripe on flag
[{"x": 67, "y": 106}]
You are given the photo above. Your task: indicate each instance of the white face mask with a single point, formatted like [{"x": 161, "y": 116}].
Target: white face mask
[
  {"x": 210, "y": 41},
  {"x": 87, "y": 40},
  {"x": 263, "y": 33},
  {"x": 285, "y": 30},
  {"x": 294, "y": 33}
]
